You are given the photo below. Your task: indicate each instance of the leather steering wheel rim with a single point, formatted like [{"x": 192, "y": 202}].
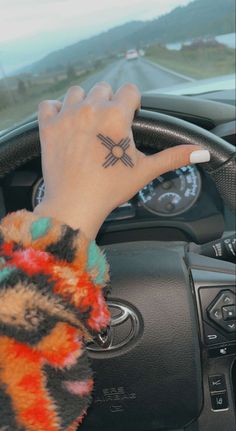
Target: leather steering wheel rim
[{"x": 151, "y": 130}]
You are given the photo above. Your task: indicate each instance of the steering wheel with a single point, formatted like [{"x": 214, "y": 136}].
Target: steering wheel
[{"x": 150, "y": 371}]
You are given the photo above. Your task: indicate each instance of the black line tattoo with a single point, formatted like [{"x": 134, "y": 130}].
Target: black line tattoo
[{"x": 116, "y": 151}]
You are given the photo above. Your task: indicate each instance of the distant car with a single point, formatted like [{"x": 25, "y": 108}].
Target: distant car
[{"x": 131, "y": 54}]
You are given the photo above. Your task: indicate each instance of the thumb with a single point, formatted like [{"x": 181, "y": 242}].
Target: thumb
[{"x": 173, "y": 158}]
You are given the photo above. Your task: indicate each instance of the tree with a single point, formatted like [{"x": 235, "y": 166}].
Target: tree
[
  {"x": 71, "y": 74},
  {"x": 21, "y": 87}
]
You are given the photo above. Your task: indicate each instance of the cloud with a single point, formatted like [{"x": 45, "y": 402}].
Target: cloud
[
  {"x": 30, "y": 29},
  {"x": 21, "y": 18}
]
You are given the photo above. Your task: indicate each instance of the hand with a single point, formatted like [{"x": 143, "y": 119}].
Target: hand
[{"x": 89, "y": 159}]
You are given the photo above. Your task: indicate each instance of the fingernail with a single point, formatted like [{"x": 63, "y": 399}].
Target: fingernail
[{"x": 200, "y": 156}]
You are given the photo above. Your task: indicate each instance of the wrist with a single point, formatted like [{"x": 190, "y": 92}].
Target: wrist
[{"x": 87, "y": 220}]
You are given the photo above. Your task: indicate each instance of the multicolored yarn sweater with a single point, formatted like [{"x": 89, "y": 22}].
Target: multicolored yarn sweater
[{"x": 52, "y": 282}]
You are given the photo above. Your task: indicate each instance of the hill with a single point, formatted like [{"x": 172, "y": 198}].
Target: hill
[
  {"x": 198, "y": 18},
  {"x": 85, "y": 51}
]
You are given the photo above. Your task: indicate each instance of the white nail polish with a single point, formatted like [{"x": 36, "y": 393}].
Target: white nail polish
[{"x": 200, "y": 156}]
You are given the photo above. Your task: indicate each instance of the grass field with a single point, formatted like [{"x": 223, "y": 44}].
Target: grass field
[
  {"x": 198, "y": 63},
  {"x": 28, "y": 104}
]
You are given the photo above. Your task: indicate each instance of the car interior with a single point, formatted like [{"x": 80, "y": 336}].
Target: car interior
[
  {"x": 168, "y": 359},
  {"x": 173, "y": 349}
]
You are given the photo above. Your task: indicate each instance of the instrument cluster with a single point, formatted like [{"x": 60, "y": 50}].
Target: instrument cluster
[{"x": 167, "y": 196}]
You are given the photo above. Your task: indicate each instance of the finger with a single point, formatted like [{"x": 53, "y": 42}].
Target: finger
[
  {"x": 172, "y": 158},
  {"x": 74, "y": 96},
  {"x": 100, "y": 91},
  {"x": 48, "y": 109},
  {"x": 128, "y": 96}
]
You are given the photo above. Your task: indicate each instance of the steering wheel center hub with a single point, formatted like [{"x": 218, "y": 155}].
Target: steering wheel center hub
[{"x": 161, "y": 360}]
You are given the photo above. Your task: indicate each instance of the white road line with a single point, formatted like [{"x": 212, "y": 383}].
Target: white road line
[{"x": 165, "y": 69}]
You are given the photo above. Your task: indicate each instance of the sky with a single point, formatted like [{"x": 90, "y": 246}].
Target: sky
[{"x": 30, "y": 29}]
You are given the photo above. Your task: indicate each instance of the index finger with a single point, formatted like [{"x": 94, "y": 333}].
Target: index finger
[{"x": 129, "y": 96}]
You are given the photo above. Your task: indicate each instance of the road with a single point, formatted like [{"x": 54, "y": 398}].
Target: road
[{"x": 146, "y": 75}]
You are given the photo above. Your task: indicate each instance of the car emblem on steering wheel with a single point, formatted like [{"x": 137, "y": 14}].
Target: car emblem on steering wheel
[{"x": 124, "y": 328}]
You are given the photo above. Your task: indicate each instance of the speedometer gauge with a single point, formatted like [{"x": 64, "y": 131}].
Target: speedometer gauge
[{"x": 173, "y": 193}]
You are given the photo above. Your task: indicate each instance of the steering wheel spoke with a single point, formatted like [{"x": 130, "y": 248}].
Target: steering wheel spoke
[{"x": 215, "y": 292}]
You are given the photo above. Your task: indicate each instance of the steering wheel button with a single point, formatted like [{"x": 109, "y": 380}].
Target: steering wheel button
[
  {"x": 231, "y": 326},
  {"x": 217, "y": 383},
  {"x": 217, "y": 314},
  {"x": 211, "y": 336},
  {"x": 223, "y": 350},
  {"x": 223, "y": 309},
  {"x": 228, "y": 298},
  {"x": 219, "y": 401},
  {"x": 229, "y": 312}
]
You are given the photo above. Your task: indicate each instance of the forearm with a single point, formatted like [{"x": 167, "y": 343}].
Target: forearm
[{"x": 52, "y": 281}]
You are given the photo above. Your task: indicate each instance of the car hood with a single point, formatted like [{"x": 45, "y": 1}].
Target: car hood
[{"x": 220, "y": 83}]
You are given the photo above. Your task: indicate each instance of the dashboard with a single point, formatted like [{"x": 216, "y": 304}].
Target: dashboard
[
  {"x": 168, "y": 195},
  {"x": 183, "y": 205}
]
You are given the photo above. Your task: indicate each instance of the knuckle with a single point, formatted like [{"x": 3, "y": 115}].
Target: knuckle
[
  {"x": 43, "y": 105},
  {"x": 87, "y": 111}
]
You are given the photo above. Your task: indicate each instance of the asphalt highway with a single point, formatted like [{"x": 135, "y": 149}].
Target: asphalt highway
[{"x": 145, "y": 74}]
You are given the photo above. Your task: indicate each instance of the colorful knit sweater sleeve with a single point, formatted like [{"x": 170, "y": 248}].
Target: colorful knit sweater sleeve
[{"x": 52, "y": 281}]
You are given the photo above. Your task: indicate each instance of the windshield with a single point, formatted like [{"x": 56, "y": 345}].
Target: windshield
[{"x": 48, "y": 45}]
